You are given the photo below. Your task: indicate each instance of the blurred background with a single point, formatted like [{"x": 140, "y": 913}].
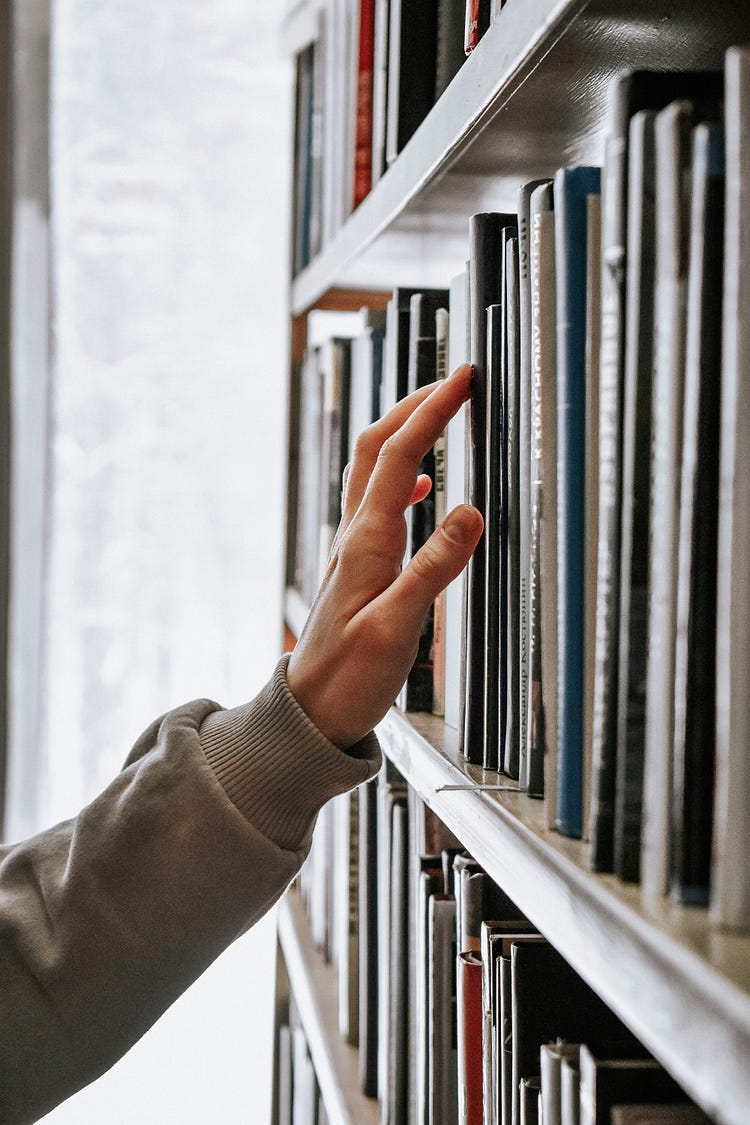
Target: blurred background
[{"x": 149, "y": 264}]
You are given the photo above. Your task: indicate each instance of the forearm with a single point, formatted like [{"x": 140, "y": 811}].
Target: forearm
[{"x": 106, "y": 919}]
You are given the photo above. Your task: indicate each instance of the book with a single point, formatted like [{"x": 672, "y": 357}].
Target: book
[
  {"x": 485, "y": 276},
  {"x": 629, "y": 93},
  {"x": 510, "y": 748},
  {"x": 469, "y": 1050},
  {"x": 570, "y": 1092},
  {"x": 550, "y": 1001},
  {"x": 730, "y": 879},
  {"x": 396, "y": 1069},
  {"x": 504, "y": 988},
  {"x": 653, "y": 1114},
  {"x": 367, "y": 796},
  {"x": 476, "y": 23},
  {"x": 529, "y": 1092},
  {"x": 449, "y": 47},
  {"x": 636, "y": 486},
  {"x": 609, "y": 1082},
  {"x": 456, "y": 487},
  {"x": 381, "y": 27},
  {"x": 524, "y": 466},
  {"x": 392, "y": 923},
  {"x": 442, "y": 1060},
  {"x": 346, "y": 912},
  {"x": 591, "y": 485},
  {"x": 412, "y": 54},
  {"x": 695, "y": 639},
  {"x": 364, "y": 103},
  {"x": 572, "y": 187},
  {"x": 440, "y": 452},
  {"x": 550, "y": 1063},
  {"x": 543, "y": 397},
  {"x": 336, "y": 367},
  {"x": 495, "y": 938}
]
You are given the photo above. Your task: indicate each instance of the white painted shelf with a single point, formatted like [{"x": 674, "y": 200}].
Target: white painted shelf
[
  {"x": 682, "y": 986},
  {"x": 313, "y": 983}
]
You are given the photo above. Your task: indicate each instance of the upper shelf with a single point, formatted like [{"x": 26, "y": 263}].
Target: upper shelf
[
  {"x": 682, "y": 986},
  {"x": 529, "y": 100}
]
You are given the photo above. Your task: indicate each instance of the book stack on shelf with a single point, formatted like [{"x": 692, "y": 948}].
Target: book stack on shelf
[{"x": 571, "y": 741}]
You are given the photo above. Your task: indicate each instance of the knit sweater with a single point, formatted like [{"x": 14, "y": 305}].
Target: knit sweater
[{"x": 107, "y": 918}]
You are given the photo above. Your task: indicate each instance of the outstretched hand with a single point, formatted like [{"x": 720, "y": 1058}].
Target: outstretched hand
[{"x": 362, "y": 634}]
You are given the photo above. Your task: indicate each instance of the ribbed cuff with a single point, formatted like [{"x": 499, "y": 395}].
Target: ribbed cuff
[{"x": 275, "y": 765}]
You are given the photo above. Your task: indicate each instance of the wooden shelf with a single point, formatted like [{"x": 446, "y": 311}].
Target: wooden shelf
[
  {"x": 531, "y": 98},
  {"x": 313, "y": 984},
  {"x": 681, "y": 986}
]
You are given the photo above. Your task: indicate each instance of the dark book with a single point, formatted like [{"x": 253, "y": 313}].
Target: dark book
[
  {"x": 524, "y": 462},
  {"x": 368, "y": 938},
  {"x": 550, "y": 1001},
  {"x": 496, "y": 936},
  {"x": 412, "y": 55},
  {"x": 510, "y": 749},
  {"x": 504, "y": 987},
  {"x": 485, "y": 279},
  {"x": 381, "y": 27},
  {"x": 395, "y": 378},
  {"x": 303, "y": 162},
  {"x": 543, "y": 398},
  {"x": 630, "y": 93},
  {"x": 572, "y": 188},
  {"x": 450, "y": 42},
  {"x": 593, "y": 340},
  {"x": 469, "y": 1048},
  {"x": 730, "y": 875},
  {"x": 366, "y": 374},
  {"x": 430, "y": 882},
  {"x": 364, "y": 96},
  {"x": 496, "y": 525},
  {"x": 456, "y": 491},
  {"x": 346, "y": 912},
  {"x": 391, "y": 793},
  {"x": 695, "y": 641},
  {"x": 636, "y": 484},
  {"x": 609, "y": 1082}
]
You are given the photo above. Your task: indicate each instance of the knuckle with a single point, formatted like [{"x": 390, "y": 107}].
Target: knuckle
[{"x": 366, "y": 444}]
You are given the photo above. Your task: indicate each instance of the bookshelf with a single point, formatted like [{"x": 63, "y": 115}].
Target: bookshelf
[{"x": 531, "y": 98}]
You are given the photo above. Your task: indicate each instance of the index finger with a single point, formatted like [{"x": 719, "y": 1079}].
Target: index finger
[{"x": 392, "y": 482}]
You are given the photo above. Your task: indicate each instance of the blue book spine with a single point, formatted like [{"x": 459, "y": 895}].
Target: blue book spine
[{"x": 572, "y": 186}]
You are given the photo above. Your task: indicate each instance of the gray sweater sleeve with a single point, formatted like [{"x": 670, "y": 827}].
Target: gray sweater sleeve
[{"x": 107, "y": 918}]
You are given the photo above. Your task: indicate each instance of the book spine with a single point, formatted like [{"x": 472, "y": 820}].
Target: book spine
[
  {"x": 493, "y": 538},
  {"x": 364, "y": 104},
  {"x": 730, "y": 881},
  {"x": 484, "y": 288},
  {"x": 634, "y": 535},
  {"x": 695, "y": 645},
  {"x": 672, "y": 137},
  {"x": 572, "y": 186},
  {"x": 512, "y": 397}
]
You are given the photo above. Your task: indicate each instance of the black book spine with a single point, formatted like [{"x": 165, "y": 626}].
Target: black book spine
[
  {"x": 485, "y": 273},
  {"x": 512, "y": 392}
]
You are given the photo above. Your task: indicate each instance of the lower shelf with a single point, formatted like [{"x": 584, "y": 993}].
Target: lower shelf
[
  {"x": 682, "y": 986},
  {"x": 313, "y": 983}
]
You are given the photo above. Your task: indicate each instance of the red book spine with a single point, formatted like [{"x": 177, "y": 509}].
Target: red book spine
[
  {"x": 363, "y": 127},
  {"x": 469, "y": 1019},
  {"x": 472, "y": 31}
]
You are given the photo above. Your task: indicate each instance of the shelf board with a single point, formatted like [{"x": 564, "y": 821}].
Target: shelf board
[
  {"x": 530, "y": 99},
  {"x": 313, "y": 983},
  {"x": 682, "y": 986}
]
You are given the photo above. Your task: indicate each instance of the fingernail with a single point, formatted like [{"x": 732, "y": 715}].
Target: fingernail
[{"x": 461, "y": 525}]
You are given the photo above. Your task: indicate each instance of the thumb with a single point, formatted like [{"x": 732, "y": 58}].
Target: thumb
[{"x": 436, "y": 563}]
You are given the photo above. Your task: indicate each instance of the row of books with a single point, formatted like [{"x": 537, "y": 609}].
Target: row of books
[
  {"x": 463, "y": 1013},
  {"x": 597, "y": 652},
  {"x": 363, "y": 86}
]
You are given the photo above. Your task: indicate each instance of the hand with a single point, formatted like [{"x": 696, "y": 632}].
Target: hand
[{"x": 361, "y": 636}]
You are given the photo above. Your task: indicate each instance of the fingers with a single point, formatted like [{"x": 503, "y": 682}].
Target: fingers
[
  {"x": 435, "y": 565},
  {"x": 440, "y": 401}
]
